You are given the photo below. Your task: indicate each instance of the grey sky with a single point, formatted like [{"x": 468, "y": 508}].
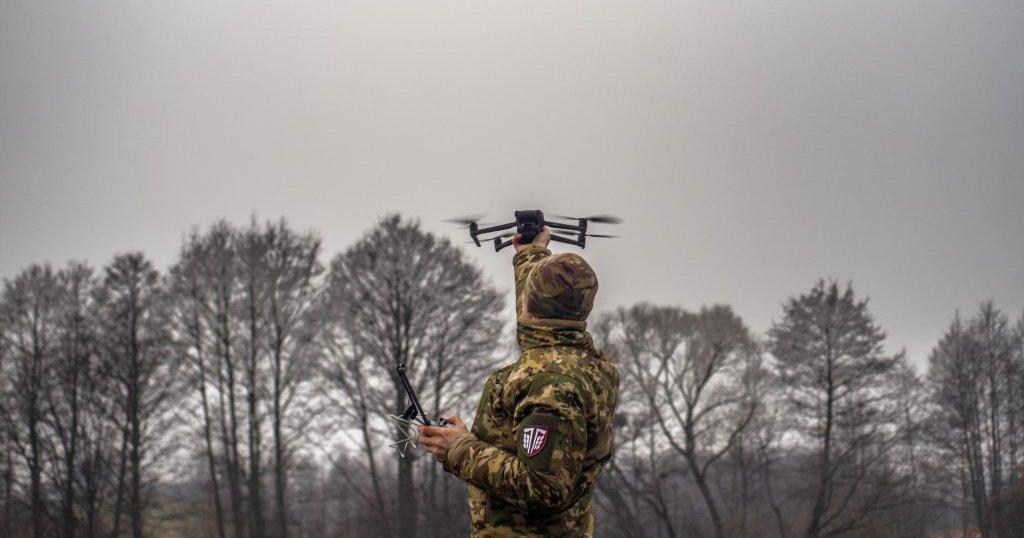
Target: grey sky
[{"x": 752, "y": 147}]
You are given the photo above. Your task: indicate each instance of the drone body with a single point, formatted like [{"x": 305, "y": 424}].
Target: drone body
[{"x": 530, "y": 222}]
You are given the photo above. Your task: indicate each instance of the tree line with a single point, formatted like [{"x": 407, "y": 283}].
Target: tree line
[{"x": 243, "y": 392}]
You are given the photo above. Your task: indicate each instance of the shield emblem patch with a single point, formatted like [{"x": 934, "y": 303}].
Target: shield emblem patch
[{"x": 533, "y": 440}]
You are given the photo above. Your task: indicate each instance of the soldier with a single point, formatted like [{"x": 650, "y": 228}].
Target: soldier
[{"x": 543, "y": 427}]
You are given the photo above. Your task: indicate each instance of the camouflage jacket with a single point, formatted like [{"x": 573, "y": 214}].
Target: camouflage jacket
[{"x": 542, "y": 432}]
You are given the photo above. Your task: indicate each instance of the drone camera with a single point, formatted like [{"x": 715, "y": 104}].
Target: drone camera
[{"x": 529, "y": 223}]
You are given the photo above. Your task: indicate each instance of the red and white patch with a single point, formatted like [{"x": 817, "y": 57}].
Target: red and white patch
[{"x": 534, "y": 440}]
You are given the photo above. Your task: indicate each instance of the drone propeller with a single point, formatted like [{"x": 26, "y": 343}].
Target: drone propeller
[
  {"x": 601, "y": 219},
  {"x": 588, "y": 235},
  {"x": 499, "y": 236},
  {"x": 466, "y": 220}
]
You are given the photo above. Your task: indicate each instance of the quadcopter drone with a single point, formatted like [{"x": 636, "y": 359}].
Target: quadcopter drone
[{"x": 531, "y": 222}]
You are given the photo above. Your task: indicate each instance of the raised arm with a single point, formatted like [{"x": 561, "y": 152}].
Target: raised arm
[{"x": 527, "y": 256}]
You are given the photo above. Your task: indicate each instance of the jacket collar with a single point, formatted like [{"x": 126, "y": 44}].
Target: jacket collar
[{"x": 541, "y": 333}]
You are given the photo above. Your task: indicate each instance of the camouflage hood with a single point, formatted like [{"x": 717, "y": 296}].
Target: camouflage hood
[{"x": 554, "y": 296}]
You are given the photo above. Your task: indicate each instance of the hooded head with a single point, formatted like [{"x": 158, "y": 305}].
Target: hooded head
[{"x": 560, "y": 291}]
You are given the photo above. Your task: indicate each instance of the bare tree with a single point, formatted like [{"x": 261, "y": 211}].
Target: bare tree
[
  {"x": 990, "y": 328},
  {"x": 912, "y": 457},
  {"x": 356, "y": 392},
  {"x": 1010, "y": 515},
  {"x": 251, "y": 246},
  {"x": 244, "y": 308},
  {"x": 29, "y": 317},
  {"x": 221, "y": 267},
  {"x": 292, "y": 281},
  {"x": 636, "y": 484},
  {"x": 955, "y": 380},
  {"x": 6, "y": 450},
  {"x": 134, "y": 350},
  {"x": 101, "y": 448},
  {"x": 192, "y": 296},
  {"x": 767, "y": 433},
  {"x": 75, "y": 353},
  {"x": 832, "y": 362},
  {"x": 701, "y": 376},
  {"x": 400, "y": 295},
  {"x": 971, "y": 375}
]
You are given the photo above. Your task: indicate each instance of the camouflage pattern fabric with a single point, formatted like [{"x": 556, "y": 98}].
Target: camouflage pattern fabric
[
  {"x": 560, "y": 287},
  {"x": 543, "y": 427}
]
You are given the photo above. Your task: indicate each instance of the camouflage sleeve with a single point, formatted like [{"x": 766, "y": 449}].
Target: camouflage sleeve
[
  {"x": 524, "y": 261},
  {"x": 551, "y": 440}
]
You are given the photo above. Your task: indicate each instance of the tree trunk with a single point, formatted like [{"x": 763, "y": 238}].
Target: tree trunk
[
  {"x": 382, "y": 516},
  {"x": 433, "y": 519},
  {"x": 255, "y": 493},
  {"x": 207, "y": 433},
  {"x": 122, "y": 471},
  {"x": 69, "y": 463},
  {"x": 35, "y": 472},
  {"x": 134, "y": 420},
  {"x": 229, "y": 429},
  {"x": 8, "y": 486},
  {"x": 705, "y": 492},
  {"x": 92, "y": 491},
  {"x": 135, "y": 498},
  {"x": 280, "y": 475},
  {"x": 824, "y": 472},
  {"x": 256, "y": 515}
]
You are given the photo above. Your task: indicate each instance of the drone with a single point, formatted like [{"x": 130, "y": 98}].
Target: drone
[{"x": 529, "y": 223}]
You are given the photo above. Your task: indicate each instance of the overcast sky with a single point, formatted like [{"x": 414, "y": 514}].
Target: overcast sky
[{"x": 751, "y": 147}]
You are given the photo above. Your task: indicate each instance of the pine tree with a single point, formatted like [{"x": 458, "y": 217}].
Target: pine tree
[{"x": 832, "y": 363}]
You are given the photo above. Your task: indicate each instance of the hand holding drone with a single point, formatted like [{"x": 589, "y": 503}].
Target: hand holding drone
[{"x": 531, "y": 222}]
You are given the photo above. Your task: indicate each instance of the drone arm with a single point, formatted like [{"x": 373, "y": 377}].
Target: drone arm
[
  {"x": 499, "y": 244},
  {"x": 562, "y": 226},
  {"x": 496, "y": 228},
  {"x": 475, "y": 232},
  {"x": 566, "y": 240}
]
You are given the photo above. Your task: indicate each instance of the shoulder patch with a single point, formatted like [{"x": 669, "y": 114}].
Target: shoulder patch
[
  {"x": 534, "y": 439},
  {"x": 539, "y": 436}
]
